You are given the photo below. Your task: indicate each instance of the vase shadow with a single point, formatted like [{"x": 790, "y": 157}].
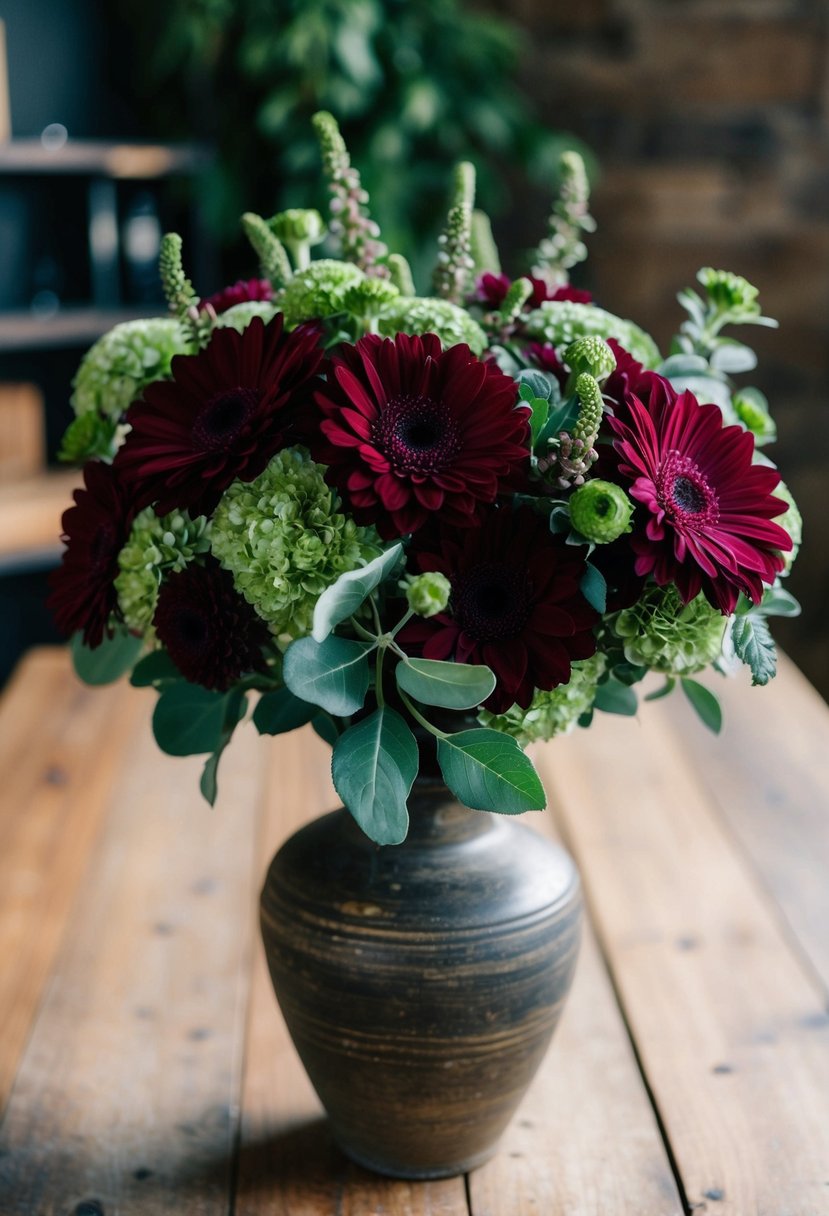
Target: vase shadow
[{"x": 304, "y": 1159}]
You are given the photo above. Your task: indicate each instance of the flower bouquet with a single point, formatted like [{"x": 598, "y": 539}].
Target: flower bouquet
[{"x": 437, "y": 529}]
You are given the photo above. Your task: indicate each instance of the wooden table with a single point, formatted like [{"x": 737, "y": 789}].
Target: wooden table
[{"x": 144, "y": 1068}]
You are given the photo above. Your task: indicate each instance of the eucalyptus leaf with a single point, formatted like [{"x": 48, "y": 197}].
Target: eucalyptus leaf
[
  {"x": 235, "y": 705},
  {"x": 778, "y": 602},
  {"x": 153, "y": 669},
  {"x": 488, "y": 771},
  {"x": 448, "y": 685},
  {"x": 659, "y": 693},
  {"x": 705, "y": 703},
  {"x": 280, "y": 711},
  {"x": 325, "y": 726},
  {"x": 593, "y": 587},
  {"x": 342, "y": 599},
  {"x": 683, "y": 365},
  {"x": 732, "y": 357},
  {"x": 189, "y": 719},
  {"x": 373, "y": 768},
  {"x": 540, "y": 384},
  {"x": 615, "y": 698},
  {"x": 333, "y": 674},
  {"x": 106, "y": 663}
]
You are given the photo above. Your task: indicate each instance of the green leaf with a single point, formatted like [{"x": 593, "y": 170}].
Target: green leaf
[
  {"x": 754, "y": 644},
  {"x": 108, "y": 662},
  {"x": 153, "y": 669},
  {"x": 333, "y": 674},
  {"x": 705, "y": 703},
  {"x": 189, "y": 719},
  {"x": 778, "y": 602},
  {"x": 732, "y": 357},
  {"x": 683, "y": 365},
  {"x": 615, "y": 698},
  {"x": 449, "y": 685},
  {"x": 540, "y": 410},
  {"x": 280, "y": 711},
  {"x": 235, "y": 706},
  {"x": 208, "y": 783},
  {"x": 593, "y": 587},
  {"x": 659, "y": 693},
  {"x": 562, "y": 419},
  {"x": 535, "y": 383},
  {"x": 488, "y": 771},
  {"x": 342, "y": 599},
  {"x": 325, "y": 726},
  {"x": 373, "y": 767}
]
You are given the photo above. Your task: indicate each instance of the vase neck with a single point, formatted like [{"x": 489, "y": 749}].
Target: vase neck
[{"x": 436, "y": 817}]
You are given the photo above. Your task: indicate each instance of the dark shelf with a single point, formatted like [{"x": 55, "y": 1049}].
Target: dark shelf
[
  {"x": 103, "y": 158},
  {"x": 70, "y": 327}
]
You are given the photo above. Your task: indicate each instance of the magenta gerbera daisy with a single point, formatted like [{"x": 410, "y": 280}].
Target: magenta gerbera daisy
[
  {"x": 709, "y": 509},
  {"x": 94, "y": 530},
  {"x": 210, "y": 632},
  {"x": 409, "y": 429},
  {"x": 515, "y": 604},
  {"x": 224, "y": 414}
]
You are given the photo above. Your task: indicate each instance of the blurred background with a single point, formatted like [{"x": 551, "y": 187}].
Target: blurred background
[{"x": 705, "y": 124}]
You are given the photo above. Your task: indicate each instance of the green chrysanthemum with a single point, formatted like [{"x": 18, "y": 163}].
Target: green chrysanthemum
[
  {"x": 667, "y": 636},
  {"x": 318, "y": 291},
  {"x": 155, "y": 547},
  {"x": 551, "y": 713},
  {"x": 122, "y": 362},
  {"x": 284, "y": 540},
  {"x": 240, "y": 316},
  {"x": 561, "y": 322},
  {"x": 412, "y": 315}
]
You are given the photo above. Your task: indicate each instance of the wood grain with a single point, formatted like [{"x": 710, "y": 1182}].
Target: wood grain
[
  {"x": 730, "y": 1025},
  {"x": 288, "y": 1164},
  {"x": 22, "y": 435},
  {"x": 30, "y": 512},
  {"x": 57, "y": 782},
  {"x": 127, "y": 1092},
  {"x": 776, "y": 803}
]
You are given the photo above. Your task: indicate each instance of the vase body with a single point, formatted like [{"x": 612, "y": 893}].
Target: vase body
[{"x": 421, "y": 982}]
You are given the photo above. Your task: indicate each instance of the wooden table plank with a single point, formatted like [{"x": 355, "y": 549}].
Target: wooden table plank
[
  {"x": 729, "y": 1022},
  {"x": 769, "y": 778},
  {"x": 128, "y": 1089},
  {"x": 57, "y": 783}
]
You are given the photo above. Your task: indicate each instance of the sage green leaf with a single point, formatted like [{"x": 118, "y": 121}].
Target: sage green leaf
[
  {"x": 342, "y": 599},
  {"x": 753, "y": 643},
  {"x": 208, "y": 783},
  {"x": 280, "y": 711},
  {"x": 373, "y": 767},
  {"x": 705, "y": 703},
  {"x": 613, "y": 697},
  {"x": 667, "y": 688},
  {"x": 488, "y": 771},
  {"x": 449, "y": 685},
  {"x": 333, "y": 674},
  {"x": 108, "y": 662},
  {"x": 778, "y": 602},
  {"x": 154, "y": 669},
  {"x": 593, "y": 587},
  {"x": 235, "y": 706},
  {"x": 189, "y": 719},
  {"x": 325, "y": 726}
]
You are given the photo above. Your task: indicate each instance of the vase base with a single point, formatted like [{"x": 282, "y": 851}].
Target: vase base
[{"x": 417, "y": 1173}]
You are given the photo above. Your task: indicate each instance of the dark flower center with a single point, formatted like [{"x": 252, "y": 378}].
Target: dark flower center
[
  {"x": 491, "y": 602},
  {"x": 684, "y": 493},
  {"x": 191, "y": 628},
  {"x": 219, "y": 422},
  {"x": 416, "y": 434}
]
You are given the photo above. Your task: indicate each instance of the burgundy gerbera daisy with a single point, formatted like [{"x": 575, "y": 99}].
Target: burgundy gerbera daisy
[
  {"x": 631, "y": 378},
  {"x": 409, "y": 429},
  {"x": 210, "y": 632},
  {"x": 542, "y": 291},
  {"x": 239, "y": 293},
  {"x": 515, "y": 604},
  {"x": 224, "y": 414},
  {"x": 710, "y": 508},
  {"x": 94, "y": 531}
]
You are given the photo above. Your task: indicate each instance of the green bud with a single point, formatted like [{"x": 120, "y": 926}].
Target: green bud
[
  {"x": 752, "y": 408},
  {"x": 366, "y": 299},
  {"x": 515, "y": 299},
  {"x": 600, "y": 511},
  {"x": 591, "y": 355},
  {"x": 591, "y": 406},
  {"x": 298, "y": 229},
  {"x": 400, "y": 273},
  {"x": 428, "y": 594},
  {"x": 729, "y": 291}
]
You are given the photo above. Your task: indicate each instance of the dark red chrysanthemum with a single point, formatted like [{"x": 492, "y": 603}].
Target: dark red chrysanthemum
[
  {"x": 409, "y": 429},
  {"x": 224, "y": 414},
  {"x": 710, "y": 508},
  {"x": 94, "y": 531},
  {"x": 238, "y": 293},
  {"x": 491, "y": 290},
  {"x": 515, "y": 604},
  {"x": 210, "y": 632},
  {"x": 542, "y": 291}
]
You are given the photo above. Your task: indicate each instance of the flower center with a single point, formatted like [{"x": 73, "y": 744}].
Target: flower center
[
  {"x": 416, "y": 434},
  {"x": 191, "y": 628},
  {"x": 684, "y": 493},
  {"x": 223, "y": 417},
  {"x": 492, "y": 602}
]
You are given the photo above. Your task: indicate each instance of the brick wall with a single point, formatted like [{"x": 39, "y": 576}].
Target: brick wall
[{"x": 710, "y": 120}]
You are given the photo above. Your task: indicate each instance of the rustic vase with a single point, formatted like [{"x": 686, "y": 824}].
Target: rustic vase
[{"x": 421, "y": 983}]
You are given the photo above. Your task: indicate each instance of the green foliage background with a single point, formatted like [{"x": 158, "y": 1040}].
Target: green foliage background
[{"x": 415, "y": 84}]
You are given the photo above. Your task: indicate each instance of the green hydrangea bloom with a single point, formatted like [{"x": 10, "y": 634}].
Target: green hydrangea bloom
[
  {"x": 284, "y": 540},
  {"x": 318, "y": 291},
  {"x": 155, "y": 546},
  {"x": 412, "y": 315},
  {"x": 667, "y": 636},
  {"x": 240, "y": 316},
  {"x": 551, "y": 713},
  {"x": 560, "y": 322},
  {"x": 428, "y": 594},
  {"x": 121, "y": 363},
  {"x": 791, "y": 521},
  {"x": 90, "y": 436}
]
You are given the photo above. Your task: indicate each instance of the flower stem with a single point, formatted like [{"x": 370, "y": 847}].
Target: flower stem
[{"x": 418, "y": 717}]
